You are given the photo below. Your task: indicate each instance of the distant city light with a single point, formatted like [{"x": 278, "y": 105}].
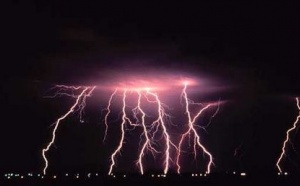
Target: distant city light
[{"x": 13, "y": 176}]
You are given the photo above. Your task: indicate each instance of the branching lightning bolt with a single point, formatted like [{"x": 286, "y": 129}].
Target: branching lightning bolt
[
  {"x": 154, "y": 128},
  {"x": 113, "y": 161},
  {"x": 147, "y": 143},
  {"x": 80, "y": 103},
  {"x": 191, "y": 129},
  {"x": 287, "y": 138},
  {"x": 158, "y": 123}
]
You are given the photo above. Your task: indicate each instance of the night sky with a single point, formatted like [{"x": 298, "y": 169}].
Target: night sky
[{"x": 250, "y": 48}]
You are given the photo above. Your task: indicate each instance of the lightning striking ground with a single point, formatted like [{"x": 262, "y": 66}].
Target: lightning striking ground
[
  {"x": 155, "y": 137},
  {"x": 191, "y": 129},
  {"x": 124, "y": 117},
  {"x": 147, "y": 144},
  {"x": 160, "y": 121},
  {"x": 149, "y": 133},
  {"x": 79, "y": 103},
  {"x": 107, "y": 114},
  {"x": 287, "y": 138}
]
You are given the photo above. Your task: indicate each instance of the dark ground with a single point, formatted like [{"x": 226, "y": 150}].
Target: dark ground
[{"x": 249, "y": 180}]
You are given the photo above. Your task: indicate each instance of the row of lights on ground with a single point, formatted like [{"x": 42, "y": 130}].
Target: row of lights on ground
[
  {"x": 196, "y": 175},
  {"x": 242, "y": 173},
  {"x": 282, "y": 173},
  {"x": 89, "y": 175},
  {"x": 11, "y": 175},
  {"x": 159, "y": 175}
]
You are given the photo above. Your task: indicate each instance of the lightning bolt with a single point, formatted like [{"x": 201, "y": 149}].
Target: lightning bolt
[
  {"x": 107, "y": 114},
  {"x": 79, "y": 103},
  {"x": 191, "y": 129},
  {"x": 124, "y": 118},
  {"x": 154, "y": 129},
  {"x": 147, "y": 143},
  {"x": 160, "y": 121},
  {"x": 287, "y": 138}
]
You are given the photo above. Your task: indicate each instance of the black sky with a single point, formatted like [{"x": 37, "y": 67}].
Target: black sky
[{"x": 254, "y": 47}]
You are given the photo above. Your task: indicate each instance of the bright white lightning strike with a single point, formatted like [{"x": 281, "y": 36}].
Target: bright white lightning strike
[
  {"x": 154, "y": 130},
  {"x": 158, "y": 123},
  {"x": 122, "y": 135},
  {"x": 107, "y": 114},
  {"x": 147, "y": 143},
  {"x": 287, "y": 138},
  {"x": 80, "y": 103},
  {"x": 191, "y": 129}
]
